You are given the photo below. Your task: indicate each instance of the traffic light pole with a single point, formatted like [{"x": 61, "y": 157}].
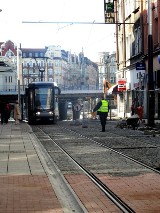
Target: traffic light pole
[{"x": 151, "y": 98}]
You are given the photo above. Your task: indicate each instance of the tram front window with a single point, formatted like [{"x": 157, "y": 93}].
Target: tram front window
[{"x": 43, "y": 98}]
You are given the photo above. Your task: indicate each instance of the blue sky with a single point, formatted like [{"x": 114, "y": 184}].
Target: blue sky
[{"x": 92, "y": 38}]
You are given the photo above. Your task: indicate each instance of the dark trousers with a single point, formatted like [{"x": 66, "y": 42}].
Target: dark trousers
[
  {"x": 2, "y": 117},
  {"x": 103, "y": 117}
]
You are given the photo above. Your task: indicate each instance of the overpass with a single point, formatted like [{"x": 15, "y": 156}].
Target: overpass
[
  {"x": 79, "y": 94},
  {"x": 68, "y": 95}
]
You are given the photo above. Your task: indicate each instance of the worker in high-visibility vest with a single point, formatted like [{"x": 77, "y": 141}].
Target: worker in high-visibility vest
[{"x": 103, "y": 108}]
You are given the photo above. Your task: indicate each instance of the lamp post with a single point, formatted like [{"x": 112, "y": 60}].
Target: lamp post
[
  {"x": 151, "y": 99},
  {"x": 41, "y": 70},
  {"x": 18, "y": 77}
]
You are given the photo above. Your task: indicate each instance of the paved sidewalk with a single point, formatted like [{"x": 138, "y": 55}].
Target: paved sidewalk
[{"x": 24, "y": 185}]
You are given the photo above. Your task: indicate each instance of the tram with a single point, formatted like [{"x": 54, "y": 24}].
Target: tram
[{"x": 41, "y": 102}]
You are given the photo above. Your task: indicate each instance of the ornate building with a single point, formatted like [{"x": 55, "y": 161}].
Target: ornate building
[{"x": 51, "y": 63}]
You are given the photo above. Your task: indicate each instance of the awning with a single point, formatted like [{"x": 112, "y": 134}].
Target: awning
[{"x": 113, "y": 89}]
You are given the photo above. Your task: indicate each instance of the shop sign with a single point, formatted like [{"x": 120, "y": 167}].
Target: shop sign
[
  {"x": 121, "y": 84},
  {"x": 140, "y": 66}
]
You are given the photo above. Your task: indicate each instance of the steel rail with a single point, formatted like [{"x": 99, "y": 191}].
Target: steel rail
[
  {"x": 113, "y": 150},
  {"x": 110, "y": 194}
]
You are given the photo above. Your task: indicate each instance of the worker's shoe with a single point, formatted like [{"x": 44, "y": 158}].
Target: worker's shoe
[{"x": 103, "y": 129}]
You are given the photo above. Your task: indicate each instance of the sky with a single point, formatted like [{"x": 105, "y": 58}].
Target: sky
[{"x": 70, "y": 35}]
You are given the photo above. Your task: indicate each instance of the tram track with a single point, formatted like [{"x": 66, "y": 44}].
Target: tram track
[
  {"x": 127, "y": 140},
  {"x": 120, "y": 153},
  {"x": 63, "y": 134},
  {"x": 110, "y": 194}
]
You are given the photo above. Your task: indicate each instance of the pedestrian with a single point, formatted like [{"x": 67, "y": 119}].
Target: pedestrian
[
  {"x": 102, "y": 108},
  {"x": 132, "y": 109},
  {"x": 17, "y": 113},
  {"x": 140, "y": 112},
  {"x": 2, "y": 110},
  {"x": 7, "y": 112}
]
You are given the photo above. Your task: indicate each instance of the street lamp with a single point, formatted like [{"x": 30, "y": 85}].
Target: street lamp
[
  {"x": 18, "y": 77},
  {"x": 42, "y": 70}
]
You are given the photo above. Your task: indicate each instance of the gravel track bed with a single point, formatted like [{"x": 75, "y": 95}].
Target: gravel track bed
[
  {"x": 133, "y": 143},
  {"x": 94, "y": 157}
]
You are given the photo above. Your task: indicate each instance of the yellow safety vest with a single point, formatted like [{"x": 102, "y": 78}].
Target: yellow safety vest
[{"x": 104, "y": 107}]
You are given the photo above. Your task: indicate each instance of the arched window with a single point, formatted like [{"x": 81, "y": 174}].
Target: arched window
[
  {"x": 25, "y": 81},
  {"x": 50, "y": 71},
  {"x": 25, "y": 71}
]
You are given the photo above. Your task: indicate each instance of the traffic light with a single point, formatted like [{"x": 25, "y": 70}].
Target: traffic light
[
  {"x": 109, "y": 7},
  {"x": 109, "y": 13}
]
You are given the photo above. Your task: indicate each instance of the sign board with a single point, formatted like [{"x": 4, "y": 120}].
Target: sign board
[
  {"x": 109, "y": 13},
  {"x": 109, "y": 18},
  {"x": 121, "y": 84},
  {"x": 109, "y": 7},
  {"x": 140, "y": 66},
  {"x": 77, "y": 107}
]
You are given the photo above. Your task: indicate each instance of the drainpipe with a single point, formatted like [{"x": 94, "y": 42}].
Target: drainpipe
[{"x": 151, "y": 94}]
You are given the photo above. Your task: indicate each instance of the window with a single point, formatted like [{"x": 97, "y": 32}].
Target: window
[
  {"x": 57, "y": 63},
  {"x": 50, "y": 63},
  {"x": 50, "y": 72},
  {"x": 36, "y": 55},
  {"x": 30, "y": 71},
  {"x": 10, "y": 79},
  {"x": 25, "y": 71},
  {"x": 56, "y": 71},
  {"x": 41, "y": 54},
  {"x": 138, "y": 40},
  {"x": 24, "y": 55},
  {"x": 43, "y": 98},
  {"x": 42, "y": 63},
  {"x": 30, "y": 55},
  {"x": 25, "y": 63},
  {"x": 31, "y": 64},
  {"x": 25, "y": 81}
]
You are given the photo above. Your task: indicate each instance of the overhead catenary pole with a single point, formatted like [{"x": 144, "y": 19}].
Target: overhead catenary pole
[
  {"x": 151, "y": 99},
  {"x": 124, "y": 54}
]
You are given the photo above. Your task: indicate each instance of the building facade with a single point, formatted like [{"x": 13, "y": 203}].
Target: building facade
[
  {"x": 132, "y": 54},
  {"x": 8, "y": 67},
  {"x": 107, "y": 67},
  {"x": 51, "y": 63}
]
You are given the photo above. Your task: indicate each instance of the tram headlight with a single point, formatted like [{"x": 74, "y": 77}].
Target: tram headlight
[
  {"x": 51, "y": 113},
  {"x": 38, "y": 113}
]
